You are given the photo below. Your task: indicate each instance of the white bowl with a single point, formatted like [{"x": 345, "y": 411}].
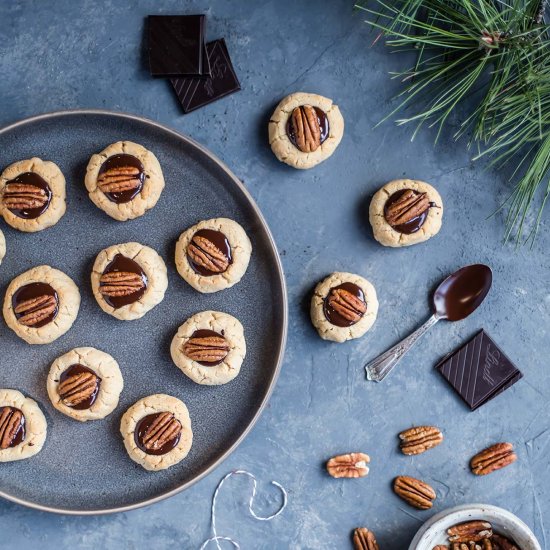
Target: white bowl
[{"x": 434, "y": 531}]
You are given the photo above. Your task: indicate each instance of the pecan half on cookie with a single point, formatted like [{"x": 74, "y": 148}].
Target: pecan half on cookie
[
  {"x": 415, "y": 492},
  {"x": 348, "y": 305},
  {"x": 304, "y": 128},
  {"x": 161, "y": 434},
  {"x": 11, "y": 422},
  {"x": 363, "y": 539},
  {"x": 493, "y": 458},
  {"x": 417, "y": 440},
  {"x": 209, "y": 252},
  {"x": 21, "y": 196},
  {"x": 350, "y": 465},
  {"x": 78, "y": 387},
  {"x": 120, "y": 283},
  {"x": 35, "y": 304},
  {"x": 405, "y": 210},
  {"x": 119, "y": 179},
  {"x": 206, "y": 346}
]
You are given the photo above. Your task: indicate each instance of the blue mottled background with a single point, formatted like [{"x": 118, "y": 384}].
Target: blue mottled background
[{"x": 66, "y": 54}]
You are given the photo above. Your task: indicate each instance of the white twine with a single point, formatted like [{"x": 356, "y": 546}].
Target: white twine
[{"x": 215, "y": 537}]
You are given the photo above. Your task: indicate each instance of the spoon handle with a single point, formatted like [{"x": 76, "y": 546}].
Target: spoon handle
[{"x": 380, "y": 367}]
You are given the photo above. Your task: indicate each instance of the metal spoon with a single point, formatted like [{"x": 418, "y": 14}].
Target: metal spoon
[{"x": 455, "y": 298}]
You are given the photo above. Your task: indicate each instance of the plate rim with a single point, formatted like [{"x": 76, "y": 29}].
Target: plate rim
[{"x": 280, "y": 275}]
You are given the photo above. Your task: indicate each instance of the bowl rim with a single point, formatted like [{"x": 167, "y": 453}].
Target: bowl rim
[{"x": 429, "y": 524}]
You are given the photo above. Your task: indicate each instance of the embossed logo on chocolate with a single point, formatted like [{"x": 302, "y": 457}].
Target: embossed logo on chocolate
[
  {"x": 492, "y": 359},
  {"x": 35, "y": 305},
  {"x": 479, "y": 370},
  {"x": 123, "y": 282},
  {"x": 27, "y": 196},
  {"x": 121, "y": 178},
  {"x": 12, "y": 427},
  {"x": 209, "y": 252},
  {"x": 194, "y": 93}
]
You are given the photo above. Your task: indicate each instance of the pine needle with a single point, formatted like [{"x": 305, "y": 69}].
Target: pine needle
[{"x": 498, "y": 49}]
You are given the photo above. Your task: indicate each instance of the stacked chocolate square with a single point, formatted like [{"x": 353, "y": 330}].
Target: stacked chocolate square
[{"x": 200, "y": 73}]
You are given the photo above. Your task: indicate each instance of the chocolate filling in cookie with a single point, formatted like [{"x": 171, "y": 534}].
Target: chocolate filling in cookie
[
  {"x": 27, "y": 196},
  {"x": 307, "y": 128},
  {"x": 344, "y": 305},
  {"x": 206, "y": 347},
  {"x": 123, "y": 282},
  {"x": 407, "y": 210},
  {"x": 158, "y": 434},
  {"x": 12, "y": 427},
  {"x": 121, "y": 178},
  {"x": 209, "y": 252},
  {"x": 79, "y": 387},
  {"x": 35, "y": 305}
]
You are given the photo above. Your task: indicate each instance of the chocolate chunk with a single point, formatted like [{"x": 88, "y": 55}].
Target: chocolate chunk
[
  {"x": 176, "y": 46},
  {"x": 27, "y": 196},
  {"x": 479, "y": 370},
  {"x": 123, "y": 282},
  {"x": 193, "y": 93}
]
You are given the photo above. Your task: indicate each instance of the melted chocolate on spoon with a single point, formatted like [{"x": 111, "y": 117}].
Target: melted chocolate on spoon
[{"x": 461, "y": 293}]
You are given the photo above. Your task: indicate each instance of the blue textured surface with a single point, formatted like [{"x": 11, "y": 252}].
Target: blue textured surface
[{"x": 88, "y": 54}]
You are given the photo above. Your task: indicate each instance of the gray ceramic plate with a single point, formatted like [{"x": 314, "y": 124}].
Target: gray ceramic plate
[{"x": 83, "y": 467}]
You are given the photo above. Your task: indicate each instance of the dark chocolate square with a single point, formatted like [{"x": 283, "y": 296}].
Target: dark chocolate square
[
  {"x": 479, "y": 370},
  {"x": 223, "y": 81},
  {"x": 177, "y": 46}
]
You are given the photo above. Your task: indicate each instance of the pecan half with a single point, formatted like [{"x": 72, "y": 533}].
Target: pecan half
[
  {"x": 415, "y": 441},
  {"x": 21, "y": 196},
  {"x": 120, "y": 283},
  {"x": 206, "y": 254},
  {"x": 119, "y": 179},
  {"x": 408, "y": 206},
  {"x": 502, "y": 543},
  {"x": 347, "y": 305},
  {"x": 350, "y": 465},
  {"x": 35, "y": 310},
  {"x": 363, "y": 539},
  {"x": 493, "y": 458},
  {"x": 165, "y": 428},
  {"x": 305, "y": 127},
  {"x": 471, "y": 545},
  {"x": 77, "y": 388},
  {"x": 470, "y": 531},
  {"x": 206, "y": 349},
  {"x": 10, "y": 422},
  {"x": 414, "y": 491},
  {"x": 441, "y": 547}
]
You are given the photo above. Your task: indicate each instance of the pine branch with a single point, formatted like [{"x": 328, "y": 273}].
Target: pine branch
[{"x": 497, "y": 48}]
